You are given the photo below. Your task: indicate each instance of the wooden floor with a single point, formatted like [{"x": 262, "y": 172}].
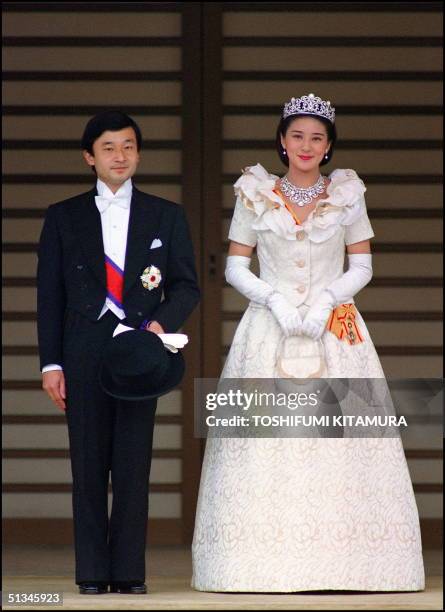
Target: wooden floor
[{"x": 46, "y": 570}]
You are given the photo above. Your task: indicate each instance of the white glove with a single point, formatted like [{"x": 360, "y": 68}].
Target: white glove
[
  {"x": 338, "y": 292},
  {"x": 357, "y": 276},
  {"x": 288, "y": 317},
  {"x": 317, "y": 316},
  {"x": 239, "y": 276}
]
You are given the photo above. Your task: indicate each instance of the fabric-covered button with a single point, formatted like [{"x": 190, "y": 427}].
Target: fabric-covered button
[
  {"x": 301, "y": 289},
  {"x": 301, "y": 235},
  {"x": 301, "y": 263}
]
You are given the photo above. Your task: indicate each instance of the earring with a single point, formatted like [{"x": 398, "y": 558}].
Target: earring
[
  {"x": 284, "y": 152},
  {"x": 326, "y": 155}
]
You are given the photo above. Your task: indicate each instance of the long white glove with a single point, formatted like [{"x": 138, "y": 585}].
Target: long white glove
[
  {"x": 341, "y": 290},
  {"x": 239, "y": 276}
]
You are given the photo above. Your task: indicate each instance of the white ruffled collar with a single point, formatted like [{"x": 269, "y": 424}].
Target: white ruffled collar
[{"x": 343, "y": 205}]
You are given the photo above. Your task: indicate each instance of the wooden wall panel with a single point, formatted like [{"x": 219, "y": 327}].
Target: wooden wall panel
[
  {"x": 61, "y": 67},
  {"x": 373, "y": 92},
  {"x": 315, "y": 21},
  {"x": 331, "y": 58},
  {"x": 349, "y": 127},
  {"x": 54, "y": 24},
  {"x": 206, "y": 82},
  {"x": 68, "y": 127},
  {"x": 73, "y": 92},
  {"x": 60, "y": 59}
]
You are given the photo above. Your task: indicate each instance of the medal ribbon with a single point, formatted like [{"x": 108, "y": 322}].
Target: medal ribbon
[
  {"x": 342, "y": 324},
  {"x": 115, "y": 282}
]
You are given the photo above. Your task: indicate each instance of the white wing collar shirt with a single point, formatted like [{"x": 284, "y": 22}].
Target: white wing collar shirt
[{"x": 114, "y": 211}]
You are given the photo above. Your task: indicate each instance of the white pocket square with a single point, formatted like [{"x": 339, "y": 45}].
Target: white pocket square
[{"x": 155, "y": 244}]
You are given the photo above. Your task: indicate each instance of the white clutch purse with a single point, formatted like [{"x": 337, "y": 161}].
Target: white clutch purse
[
  {"x": 300, "y": 357},
  {"x": 300, "y": 363}
]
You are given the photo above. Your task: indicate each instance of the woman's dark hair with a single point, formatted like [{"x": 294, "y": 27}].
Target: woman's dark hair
[
  {"x": 284, "y": 125},
  {"x": 108, "y": 120}
]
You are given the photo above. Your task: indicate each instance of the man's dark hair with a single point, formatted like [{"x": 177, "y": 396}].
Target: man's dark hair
[
  {"x": 108, "y": 120},
  {"x": 284, "y": 125}
]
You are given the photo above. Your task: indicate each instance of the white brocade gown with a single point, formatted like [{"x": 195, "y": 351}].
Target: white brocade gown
[{"x": 297, "y": 514}]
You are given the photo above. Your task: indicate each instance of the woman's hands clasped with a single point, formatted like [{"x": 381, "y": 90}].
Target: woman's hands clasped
[
  {"x": 288, "y": 317},
  {"x": 314, "y": 323}
]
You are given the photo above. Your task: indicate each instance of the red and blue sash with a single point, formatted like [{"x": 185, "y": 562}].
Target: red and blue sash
[{"x": 115, "y": 282}]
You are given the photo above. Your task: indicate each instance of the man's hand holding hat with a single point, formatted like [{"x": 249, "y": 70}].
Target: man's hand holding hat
[{"x": 172, "y": 342}]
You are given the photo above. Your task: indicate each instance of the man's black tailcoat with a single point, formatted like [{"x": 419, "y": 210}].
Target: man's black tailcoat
[
  {"x": 71, "y": 270},
  {"x": 108, "y": 435}
]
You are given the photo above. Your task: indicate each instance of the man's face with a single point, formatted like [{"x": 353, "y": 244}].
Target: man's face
[{"x": 115, "y": 156}]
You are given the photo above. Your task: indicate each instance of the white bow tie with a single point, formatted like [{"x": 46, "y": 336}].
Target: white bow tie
[{"x": 103, "y": 203}]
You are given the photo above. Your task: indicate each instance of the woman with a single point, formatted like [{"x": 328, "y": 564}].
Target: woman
[{"x": 296, "y": 514}]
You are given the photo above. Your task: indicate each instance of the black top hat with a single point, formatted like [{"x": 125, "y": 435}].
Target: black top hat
[{"x": 136, "y": 365}]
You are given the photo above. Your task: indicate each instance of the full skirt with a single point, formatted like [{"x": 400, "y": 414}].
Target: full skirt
[{"x": 299, "y": 514}]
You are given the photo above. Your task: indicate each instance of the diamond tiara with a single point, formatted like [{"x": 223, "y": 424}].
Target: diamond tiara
[{"x": 309, "y": 105}]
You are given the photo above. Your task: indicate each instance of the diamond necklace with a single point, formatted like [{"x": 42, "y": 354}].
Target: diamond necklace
[{"x": 302, "y": 195}]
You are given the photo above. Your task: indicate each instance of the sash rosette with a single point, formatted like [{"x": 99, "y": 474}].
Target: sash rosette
[{"x": 151, "y": 277}]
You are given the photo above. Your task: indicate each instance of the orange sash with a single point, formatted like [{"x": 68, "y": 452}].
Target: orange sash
[
  {"x": 278, "y": 192},
  {"x": 342, "y": 324}
]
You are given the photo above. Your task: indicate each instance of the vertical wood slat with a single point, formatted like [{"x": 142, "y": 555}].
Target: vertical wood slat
[
  {"x": 205, "y": 158},
  {"x": 212, "y": 169},
  {"x": 192, "y": 200}
]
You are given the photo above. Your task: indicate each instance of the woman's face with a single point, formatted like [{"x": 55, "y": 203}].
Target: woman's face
[{"x": 306, "y": 143}]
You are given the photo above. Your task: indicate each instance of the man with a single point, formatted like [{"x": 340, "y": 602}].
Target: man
[{"x": 107, "y": 255}]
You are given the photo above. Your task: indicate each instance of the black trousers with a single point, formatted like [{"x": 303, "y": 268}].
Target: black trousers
[{"x": 107, "y": 436}]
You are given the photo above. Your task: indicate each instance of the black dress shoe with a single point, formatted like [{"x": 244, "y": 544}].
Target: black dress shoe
[
  {"x": 128, "y": 588},
  {"x": 93, "y": 588}
]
